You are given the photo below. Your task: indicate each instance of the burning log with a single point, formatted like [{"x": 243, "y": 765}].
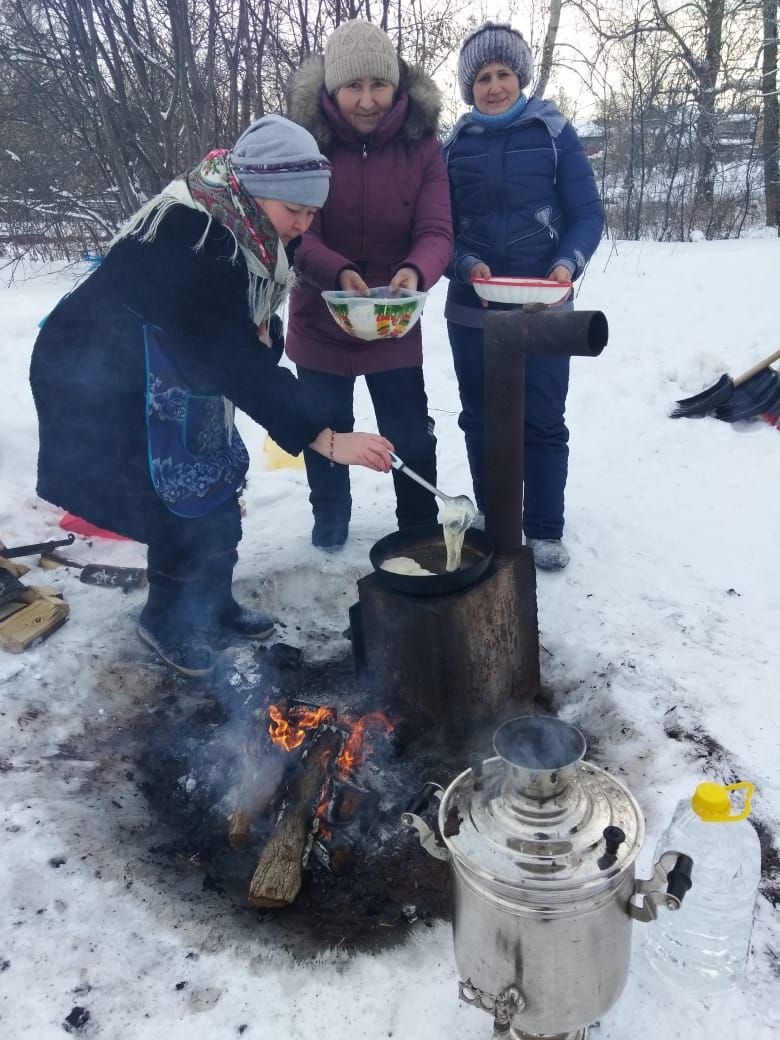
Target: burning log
[
  {"x": 259, "y": 786},
  {"x": 279, "y": 874},
  {"x": 257, "y": 791},
  {"x": 239, "y": 828}
]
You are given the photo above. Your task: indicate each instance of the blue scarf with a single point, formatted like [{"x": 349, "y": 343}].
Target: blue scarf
[{"x": 503, "y": 119}]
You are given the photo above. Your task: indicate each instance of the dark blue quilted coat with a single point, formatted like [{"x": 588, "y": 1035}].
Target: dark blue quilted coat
[
  {"x": 524, "y": 200},
  {"x": 159, "y": 331}
]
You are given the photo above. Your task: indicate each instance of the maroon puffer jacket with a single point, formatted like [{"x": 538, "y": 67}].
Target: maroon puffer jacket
[{"x": 388, "y": 207}]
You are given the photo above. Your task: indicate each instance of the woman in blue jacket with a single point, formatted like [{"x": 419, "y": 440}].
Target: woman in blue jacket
[{"x": 525, "y": 204}]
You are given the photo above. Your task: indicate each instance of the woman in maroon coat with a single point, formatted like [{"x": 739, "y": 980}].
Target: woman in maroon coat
[{"x": 386, "y": 222}]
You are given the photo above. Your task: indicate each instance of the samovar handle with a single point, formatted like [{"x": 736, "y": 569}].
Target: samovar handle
[
  {"x": 673, "y": 870},
  {"x": 430, "y": 839}
]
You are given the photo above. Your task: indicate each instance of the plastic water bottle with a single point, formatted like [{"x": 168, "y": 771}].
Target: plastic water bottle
[{"x": 703, "y": 946}]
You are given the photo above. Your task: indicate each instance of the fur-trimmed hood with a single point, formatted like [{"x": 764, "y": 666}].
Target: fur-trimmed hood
[{"x": 304, "y": 107}]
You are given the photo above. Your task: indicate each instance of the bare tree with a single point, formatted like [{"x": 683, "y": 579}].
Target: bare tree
[
  {"x": 548, "y": 48},
  {"x": 704, "y": 64},
  {"x": 102, "y": 102},
  {"x": 694, "y": 65},
  {"x": 771, "y": 113},
  {"x": 129, "y": 93}
]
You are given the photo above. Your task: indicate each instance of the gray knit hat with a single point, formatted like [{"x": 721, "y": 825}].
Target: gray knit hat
[
  {"x": 493, "y": 41},
  {"x": 275, "y": 158},
  {"x": 359, "y": 50}
]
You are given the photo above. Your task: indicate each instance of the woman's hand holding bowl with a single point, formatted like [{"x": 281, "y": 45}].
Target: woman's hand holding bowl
[
  {"x": 480, "y": 270},
  {"x": 405, "y": 278},
  {"x": 351, "y": 282}
]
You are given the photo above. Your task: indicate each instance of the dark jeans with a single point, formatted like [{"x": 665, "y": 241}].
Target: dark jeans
[
  {"x": 401, "y": 409},
  {"x": 546, "y": 455},
  {"x": 190, "y": 569}
]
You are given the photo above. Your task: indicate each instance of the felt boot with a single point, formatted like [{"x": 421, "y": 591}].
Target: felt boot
[
  {"x": 166, "y": 626},
  {"x": 550, "y": 554},
  {"x": 329, "y": 534},
  {"x": 231, "y": 618}
]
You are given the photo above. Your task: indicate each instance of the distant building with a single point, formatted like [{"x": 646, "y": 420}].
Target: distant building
[{"x": 591, "y": 135}]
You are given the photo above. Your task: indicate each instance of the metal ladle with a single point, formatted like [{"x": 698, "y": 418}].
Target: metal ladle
[{"x": 461, "y": 506}]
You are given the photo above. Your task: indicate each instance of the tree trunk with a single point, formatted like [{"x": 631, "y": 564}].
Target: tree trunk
[
  {"x": 548, "y": 47},
  {"x": 770, "y": 144},
  {"x": 708, "y": 81}
]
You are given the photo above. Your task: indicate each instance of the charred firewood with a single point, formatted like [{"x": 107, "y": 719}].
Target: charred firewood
[
  {"x": 353, "y": 802},
  {"x": 257, "y": 793},
  {"x": 279, "y": 874},
  {"x": 239, "y": 828},
  {"x": 335, "y": 852},
  {"x": 261, "y": 787}
]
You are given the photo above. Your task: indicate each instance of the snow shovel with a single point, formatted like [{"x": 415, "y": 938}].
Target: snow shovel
[
  {"x": 718, "y": 394},
  {"x": 757, "y": 395}
]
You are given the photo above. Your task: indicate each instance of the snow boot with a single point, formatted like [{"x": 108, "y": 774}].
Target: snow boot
[
  {"x": 189, "y": 655},
  {"x": 171, "y": 624},
  {"x": 329, "y": 535},
  {"x": 550, "y": 554},
  {"x": 247, "y": 623},
  {"x": 231, "y": 619}
]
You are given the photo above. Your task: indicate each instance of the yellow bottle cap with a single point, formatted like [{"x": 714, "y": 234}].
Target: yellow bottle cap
[{"x": 711, "y": 802}]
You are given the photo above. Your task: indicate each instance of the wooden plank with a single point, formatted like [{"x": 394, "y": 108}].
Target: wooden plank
[
  {"x": 16, "y": 569},
  {"x": 50, "y": 560},
  {"x": 33, "y": 622},
  {"x": 7, "y": 609},
  {"x": 10, "y": 587},
  {"x": 34, "y": 592}
]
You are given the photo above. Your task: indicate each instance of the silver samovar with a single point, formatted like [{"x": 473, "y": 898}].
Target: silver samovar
[{"x": 541, "y": 847}]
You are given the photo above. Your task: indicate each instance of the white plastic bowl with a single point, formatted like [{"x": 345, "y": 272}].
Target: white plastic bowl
[
  {"x": 521, "y": 290},
  {"x": 379, "y": 315}
]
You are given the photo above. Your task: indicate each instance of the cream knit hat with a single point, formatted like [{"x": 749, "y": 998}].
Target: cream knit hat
[{"x": 359, "y": 50}]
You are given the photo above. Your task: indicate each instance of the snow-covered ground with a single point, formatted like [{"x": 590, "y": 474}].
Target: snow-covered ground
[{"x": 660, "y": 639}]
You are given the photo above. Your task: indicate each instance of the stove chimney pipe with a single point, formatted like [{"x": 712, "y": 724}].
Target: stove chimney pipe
[{"x": 509, "y": 336}]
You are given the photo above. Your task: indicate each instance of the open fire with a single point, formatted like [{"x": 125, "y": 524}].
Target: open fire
[
  {"x": 318, "y": 795},
  {"x": 285, "y": 782},
  {"x": 289, "y": 727}
]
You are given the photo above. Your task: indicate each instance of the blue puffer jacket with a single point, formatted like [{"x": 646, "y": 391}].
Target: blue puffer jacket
[{"x": 524, "y": 200}]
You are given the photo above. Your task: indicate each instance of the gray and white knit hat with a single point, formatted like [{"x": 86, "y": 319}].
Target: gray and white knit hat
[
  {"x": 359, "y": 50},
  {"x": 275, "y": 158},
  {"x": 493, "y": 41}
]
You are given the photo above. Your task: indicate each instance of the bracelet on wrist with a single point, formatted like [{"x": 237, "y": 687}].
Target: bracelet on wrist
[{"x": 332, "y": 445}]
